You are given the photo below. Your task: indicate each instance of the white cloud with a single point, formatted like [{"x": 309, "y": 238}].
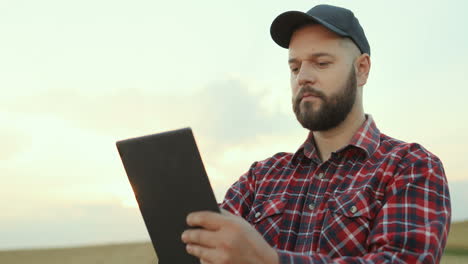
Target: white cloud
[{"x": 225, "y": 111}]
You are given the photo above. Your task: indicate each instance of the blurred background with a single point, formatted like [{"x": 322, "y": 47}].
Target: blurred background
[{"x": 76, "y": 76}]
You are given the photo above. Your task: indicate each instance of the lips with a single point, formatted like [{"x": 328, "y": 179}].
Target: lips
[{"x": 305, "y": 95}]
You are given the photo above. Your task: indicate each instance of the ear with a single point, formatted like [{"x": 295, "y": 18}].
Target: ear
[{"x": 362, "y": 66}]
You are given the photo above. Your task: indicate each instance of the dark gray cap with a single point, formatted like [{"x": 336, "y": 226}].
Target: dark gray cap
[{"x": 337, "y": 19}]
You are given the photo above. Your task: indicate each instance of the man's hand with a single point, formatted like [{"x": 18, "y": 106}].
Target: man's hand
[{"x": 226, "y": 239}]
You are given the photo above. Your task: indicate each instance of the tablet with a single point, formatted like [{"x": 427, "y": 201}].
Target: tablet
[{"x": 169, "y": 181}]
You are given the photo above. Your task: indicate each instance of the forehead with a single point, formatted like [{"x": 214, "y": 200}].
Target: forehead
[{"x": 315, "y": 38}]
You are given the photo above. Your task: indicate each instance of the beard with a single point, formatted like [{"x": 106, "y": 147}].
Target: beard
[{"x": 334, "y": 109}]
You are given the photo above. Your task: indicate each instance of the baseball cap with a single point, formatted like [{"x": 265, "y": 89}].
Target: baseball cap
[{"x": 337, "y": 19}]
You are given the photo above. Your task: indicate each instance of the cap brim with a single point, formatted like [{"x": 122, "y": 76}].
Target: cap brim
[{"x": 286, "y": 23}]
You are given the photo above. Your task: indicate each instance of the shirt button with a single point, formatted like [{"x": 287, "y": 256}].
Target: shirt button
[
  {"x": 353, "y": 209},
  {"x": 320, "y": 176},
  {"x": 258, "y": 214},
  {"x": 311, "y": 206}
]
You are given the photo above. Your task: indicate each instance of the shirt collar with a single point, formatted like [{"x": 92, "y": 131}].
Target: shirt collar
[{"x": 366, "y": 138}]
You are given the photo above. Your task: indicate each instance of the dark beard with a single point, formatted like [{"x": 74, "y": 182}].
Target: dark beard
[{"x": 334, "y": 109}]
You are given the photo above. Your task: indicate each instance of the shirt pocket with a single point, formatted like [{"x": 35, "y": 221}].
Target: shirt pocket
[
  {"x": 266, "y": 217},
  {"x": 348, "y": 222},
  {"x": 355, "y": 204}
]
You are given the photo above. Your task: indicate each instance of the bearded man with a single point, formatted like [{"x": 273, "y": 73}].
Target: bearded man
[{"x": 350, "y": 193}]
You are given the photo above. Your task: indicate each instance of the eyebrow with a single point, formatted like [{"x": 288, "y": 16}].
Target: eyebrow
[{"x": 312, "y": 56}]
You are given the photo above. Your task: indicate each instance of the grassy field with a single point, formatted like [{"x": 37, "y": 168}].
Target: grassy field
[
  {"x": 456, "y": 252},
  {"x": 118, "y": 254}
]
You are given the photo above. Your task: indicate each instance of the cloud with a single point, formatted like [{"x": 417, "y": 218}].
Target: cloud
[
  {"x": 105, "y": 111},
  {"x": 231, "y": 114},
  {"x": 226, "y": 111}
]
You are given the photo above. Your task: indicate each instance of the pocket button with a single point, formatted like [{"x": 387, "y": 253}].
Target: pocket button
[
  {"x": 353, "y": 209},
  {"x": 258, "y": 214}
]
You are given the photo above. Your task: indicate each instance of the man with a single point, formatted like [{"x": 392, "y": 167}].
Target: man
[{"x": 349, "y": 194}]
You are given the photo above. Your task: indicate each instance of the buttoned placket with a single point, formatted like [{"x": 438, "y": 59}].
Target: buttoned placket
[{"x": 317, "y": 187}]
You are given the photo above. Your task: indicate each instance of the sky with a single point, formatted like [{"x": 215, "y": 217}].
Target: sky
[{"x": 76, "y": 76}]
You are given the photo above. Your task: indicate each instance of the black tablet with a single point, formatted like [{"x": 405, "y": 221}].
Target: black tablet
[{"x": 167, "y": 175}]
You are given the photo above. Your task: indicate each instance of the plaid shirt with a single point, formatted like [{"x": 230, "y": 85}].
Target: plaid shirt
[{"x": 375, "y": 200}]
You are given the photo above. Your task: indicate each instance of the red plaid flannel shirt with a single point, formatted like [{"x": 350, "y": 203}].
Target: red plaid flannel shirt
[{"x": 376, "y": 200}]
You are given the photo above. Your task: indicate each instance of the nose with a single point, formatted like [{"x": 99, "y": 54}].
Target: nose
[{"x": 306, "y": 75}]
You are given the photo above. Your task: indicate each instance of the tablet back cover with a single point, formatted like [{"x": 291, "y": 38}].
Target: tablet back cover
[{"x": 169, "y": 181}]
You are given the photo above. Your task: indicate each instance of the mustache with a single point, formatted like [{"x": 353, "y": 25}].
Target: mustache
[{"x": 309, "y": 90}]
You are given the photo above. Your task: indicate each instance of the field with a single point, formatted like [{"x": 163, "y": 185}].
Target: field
[
  {"x": 457, "y": 244},
  {"x": 456, "y": 252},
  {"x": 118, "y": 254}
]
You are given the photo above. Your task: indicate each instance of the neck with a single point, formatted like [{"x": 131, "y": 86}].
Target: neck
[{"x": 339, "y": 136}]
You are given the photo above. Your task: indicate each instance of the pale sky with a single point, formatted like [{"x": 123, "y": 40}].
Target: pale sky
[{"x": 76, "y": 76}]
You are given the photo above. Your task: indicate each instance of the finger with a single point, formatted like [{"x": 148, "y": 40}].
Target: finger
[
  {"x": 206, "y": 255},
  {"x": 201, "y": 237},
  {"x": 208, "y": 220}
]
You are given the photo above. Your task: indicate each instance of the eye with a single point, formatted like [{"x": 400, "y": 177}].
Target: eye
[
  {"x": 294, "y": 67},
  {"x": 324, "y": 64}
]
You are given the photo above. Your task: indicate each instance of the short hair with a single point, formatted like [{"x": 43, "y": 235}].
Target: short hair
[{"x": 349, "y": 44}]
